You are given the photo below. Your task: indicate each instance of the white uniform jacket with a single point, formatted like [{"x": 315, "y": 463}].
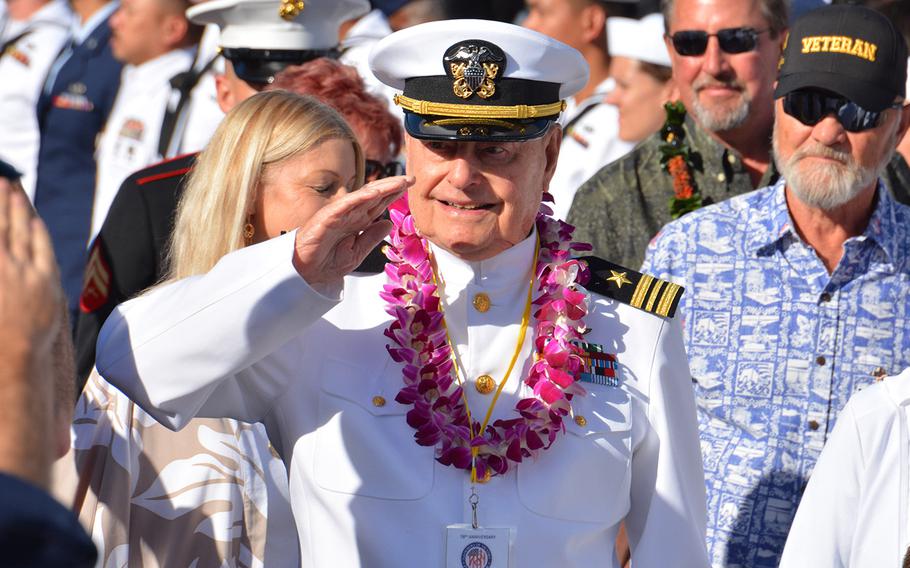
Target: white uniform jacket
[
  {"x": 129, "y": 141},
  {"x": 252, "y": 340},
  {"x": 33, "y": 46},
  {"x": 855, "y": 510},
  {"x": 590, "y": 141}
]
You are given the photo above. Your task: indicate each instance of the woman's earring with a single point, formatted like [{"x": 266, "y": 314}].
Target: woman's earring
[{"x": 248, "y": 231}]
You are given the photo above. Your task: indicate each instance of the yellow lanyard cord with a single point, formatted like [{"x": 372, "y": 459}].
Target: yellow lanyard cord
[{"x": 522, "y": 333}]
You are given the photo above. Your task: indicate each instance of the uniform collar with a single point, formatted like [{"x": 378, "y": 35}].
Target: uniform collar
[
  {"x": 81, "y": 32},
  {"x": 508, "y": 269},
  {"x": 155, "y": 72},
  {"x": 774, "y": 224}
]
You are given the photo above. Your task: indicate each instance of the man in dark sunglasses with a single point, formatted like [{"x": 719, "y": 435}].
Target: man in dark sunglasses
[
  {"x": 724, "y": 57},
  {"x": 795, "y": 292}
]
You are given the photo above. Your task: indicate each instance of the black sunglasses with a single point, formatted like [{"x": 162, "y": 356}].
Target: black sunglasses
[
  {"x": 811, "y": 106},
  {"x": 377, "y": 170},
  {"x": 731, "y": 40}
]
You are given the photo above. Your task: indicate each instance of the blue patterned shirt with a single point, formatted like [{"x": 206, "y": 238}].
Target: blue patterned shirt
[{"x": 776, "y": 347}]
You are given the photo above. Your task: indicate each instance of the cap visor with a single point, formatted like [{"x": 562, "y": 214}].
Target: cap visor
[
  {"x": 475, "y": 129},
  {"x": 867, "y": 95}
]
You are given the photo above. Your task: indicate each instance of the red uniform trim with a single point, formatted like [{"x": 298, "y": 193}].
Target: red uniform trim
[{"x": 163, "y": 175}]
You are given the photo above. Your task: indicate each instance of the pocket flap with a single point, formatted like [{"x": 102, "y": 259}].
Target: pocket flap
[{"x": 372, "y": 388}]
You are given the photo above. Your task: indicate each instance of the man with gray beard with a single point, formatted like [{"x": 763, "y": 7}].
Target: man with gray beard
[{"x": 796, "y": 293}]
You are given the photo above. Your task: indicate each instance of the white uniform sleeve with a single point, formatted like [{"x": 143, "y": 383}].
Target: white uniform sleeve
[
  {"x": 667, "y": 517},
  {"x": 825, "y": 523},
  {"x": 215, "y": 345}
]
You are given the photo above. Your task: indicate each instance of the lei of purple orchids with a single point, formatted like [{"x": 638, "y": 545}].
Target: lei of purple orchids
[{"x": 439, "y": 414}]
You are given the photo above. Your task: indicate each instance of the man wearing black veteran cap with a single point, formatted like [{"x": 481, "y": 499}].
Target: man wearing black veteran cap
[
  {"x": 489, "y": 400},
  {"x": 797, "y": 291}
]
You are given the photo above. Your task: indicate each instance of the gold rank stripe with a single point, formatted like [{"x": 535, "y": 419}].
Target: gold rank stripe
[
  {"x": 652, "y": 297},
  {"x": 479, "y": 111},
  {"x": 670, "y": 293},
  {"x": 641, "y": 290}
]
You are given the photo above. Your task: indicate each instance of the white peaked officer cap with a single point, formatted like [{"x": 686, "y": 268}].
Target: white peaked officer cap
[
  {"x": 478, "y": 79},
  {"x": 260, "y": 37},
  {"x": 638, "y": 39}
]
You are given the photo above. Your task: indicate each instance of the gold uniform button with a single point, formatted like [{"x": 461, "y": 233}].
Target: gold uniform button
[
  {"x": 485, "y": 384},
  {"x": 378, "y": 401},
  {"x": 581, "y": 420},
  {"x": 481, "y": 302},
  {"x": 731, "y": 158}
]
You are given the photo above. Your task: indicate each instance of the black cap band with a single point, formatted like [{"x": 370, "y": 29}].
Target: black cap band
[{"x": 259, "y": 66}]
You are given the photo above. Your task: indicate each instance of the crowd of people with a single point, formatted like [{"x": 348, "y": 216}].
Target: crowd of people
[{"x": 471, "y": 284}]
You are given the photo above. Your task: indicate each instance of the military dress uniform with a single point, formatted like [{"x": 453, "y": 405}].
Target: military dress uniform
[
  {"x": 27, "y": 50},
  {"x": 72, "y": 110},
  {"x": 130, "y": 138},
  {"x": 128, "y": 255},
  {"x": 252, "y": 340}
]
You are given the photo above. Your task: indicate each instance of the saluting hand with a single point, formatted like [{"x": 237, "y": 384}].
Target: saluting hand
[{"x": 341, "y": 234}]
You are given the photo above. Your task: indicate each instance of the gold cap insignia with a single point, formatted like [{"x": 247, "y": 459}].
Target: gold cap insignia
[
  {"x": 474, "y": 66},
  {"x": 290, "y": 9}
]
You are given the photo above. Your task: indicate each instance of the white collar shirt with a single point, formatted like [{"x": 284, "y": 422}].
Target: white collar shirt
[
  {"x": 854, "y": 513},
  {"x": 250, "y": 339}
]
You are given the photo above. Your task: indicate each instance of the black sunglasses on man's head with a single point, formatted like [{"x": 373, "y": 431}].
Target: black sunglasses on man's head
[{"x": 731, "y": 40}]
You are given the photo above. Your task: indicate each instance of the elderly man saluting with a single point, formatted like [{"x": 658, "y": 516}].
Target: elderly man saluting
[
  {"x": 797, "y": 292},
  {"x": 474, "y": 405}
]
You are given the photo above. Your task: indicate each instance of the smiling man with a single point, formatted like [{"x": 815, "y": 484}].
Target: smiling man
[
  {"x": 450, "y": 409},
  {"x": 797, "y": 290}
]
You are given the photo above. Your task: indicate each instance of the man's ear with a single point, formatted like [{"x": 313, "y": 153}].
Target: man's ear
[
  {"x": 593, "y": 21},
  {"x": 175, "y": 29},
  {"x": 904, "y": 121},
  {"x": 552, "y": 143}
]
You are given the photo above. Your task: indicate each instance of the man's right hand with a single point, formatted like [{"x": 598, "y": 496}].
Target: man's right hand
[{"x": 341, "y": 234}]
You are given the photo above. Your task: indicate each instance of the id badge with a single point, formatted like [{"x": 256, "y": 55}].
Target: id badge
[{"x": 483, "y": 547}]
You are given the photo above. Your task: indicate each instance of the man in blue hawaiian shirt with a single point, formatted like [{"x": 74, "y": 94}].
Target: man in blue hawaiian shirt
[{"x": 797, "y": 291}]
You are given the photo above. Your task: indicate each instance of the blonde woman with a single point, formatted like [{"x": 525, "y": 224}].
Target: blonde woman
[{"x": 209, "y": 494}]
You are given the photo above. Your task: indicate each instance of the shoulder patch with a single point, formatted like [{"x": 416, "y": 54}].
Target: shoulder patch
[
  {"x": 96, "y": 286},
  {"x": 628, "y": 286}
]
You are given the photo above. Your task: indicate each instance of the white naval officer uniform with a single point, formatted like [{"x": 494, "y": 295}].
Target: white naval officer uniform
[
  {"x": 854, "y": 512},
  {"x": 23, "y": 67},
  {"x": 590, "y": 141},
  {"x": 129, "y": 141},
  {"x": 252, "y": 340}
]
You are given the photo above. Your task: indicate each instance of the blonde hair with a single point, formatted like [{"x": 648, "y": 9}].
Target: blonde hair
[{"x": 262, "y": 131}]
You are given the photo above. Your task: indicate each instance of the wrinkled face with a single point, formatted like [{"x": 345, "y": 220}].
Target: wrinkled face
[
  {"x": 725, "y": 90},
  {"x": 824, "y": 165},
  {"x": 639, "y": 98},
  {"x": 137, "y": 30},
  {"x": 291, "y": 191},
  {"x": 476, "y": 199},
  {"x": 555, "y": 18}
]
